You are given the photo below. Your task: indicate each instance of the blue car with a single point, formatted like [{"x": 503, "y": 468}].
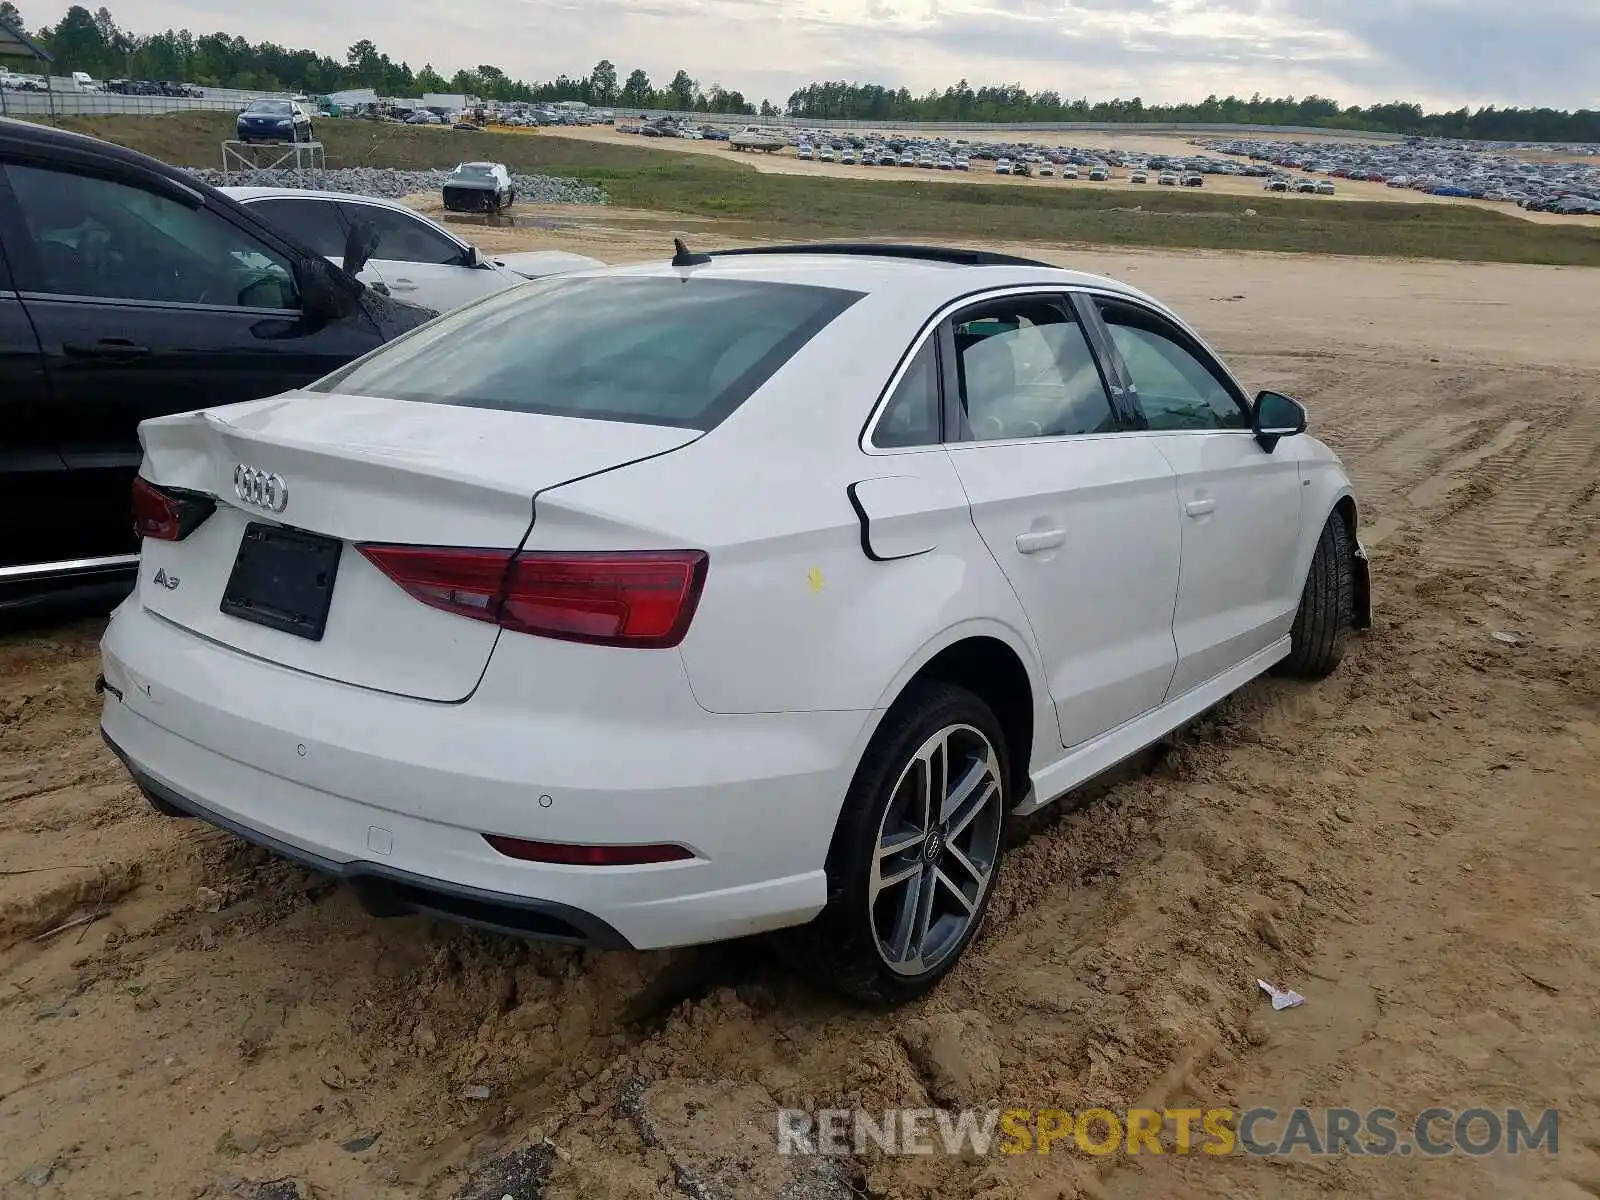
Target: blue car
[{"x": 274, "y": 121}]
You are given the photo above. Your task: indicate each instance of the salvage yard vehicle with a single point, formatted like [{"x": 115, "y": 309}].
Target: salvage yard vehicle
[
  {"x": 754, "y": 137},
  {"x": 413, "y": 258},
  {"x": 129, "y": 289},
  {"x": 273, "y": 121},
  {"x": 555, "y": 617},
  {"x": 479, "y": 187}
]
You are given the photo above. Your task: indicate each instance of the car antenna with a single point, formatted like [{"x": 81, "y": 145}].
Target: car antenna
[{"x": 685, "y": 257}]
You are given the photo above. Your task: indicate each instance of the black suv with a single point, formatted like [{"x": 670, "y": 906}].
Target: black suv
[{"x": 128, "y": 289}]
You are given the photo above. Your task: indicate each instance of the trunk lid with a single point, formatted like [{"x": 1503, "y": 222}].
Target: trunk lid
[{"x": 365, "y": 469}]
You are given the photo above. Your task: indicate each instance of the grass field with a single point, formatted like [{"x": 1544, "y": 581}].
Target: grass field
[{"x": 758, "y": 204}]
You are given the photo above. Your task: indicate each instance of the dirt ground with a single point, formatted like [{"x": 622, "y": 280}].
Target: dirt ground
[
  {"x": 785, "y": 162},
  {"x": 1410, "y": 844}
]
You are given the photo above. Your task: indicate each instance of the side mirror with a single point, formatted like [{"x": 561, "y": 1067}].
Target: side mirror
[
  {"x": 359, "y": 246},
  {"x": 1274, "y": 416},
  {"x": 474, "y": 257},
  {"x": 321, "y": 298}
]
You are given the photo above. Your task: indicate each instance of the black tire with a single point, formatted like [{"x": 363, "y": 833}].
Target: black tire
[
  {"x": 840, "y": 948},
  {"x": 1327, "y": 606}
]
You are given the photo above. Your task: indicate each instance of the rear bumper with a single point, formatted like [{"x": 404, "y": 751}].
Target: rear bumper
[
  {"x": 396, "y": 794},
  {"x": 460, "y": 199},
  {"x": 385, "y": 892}
]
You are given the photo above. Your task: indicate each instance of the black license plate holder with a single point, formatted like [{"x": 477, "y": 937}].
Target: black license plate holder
[{"x": 283, "y": 578}]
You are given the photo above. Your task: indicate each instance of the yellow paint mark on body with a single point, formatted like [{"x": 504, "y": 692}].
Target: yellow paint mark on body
[{"x": 815, "y": 577}]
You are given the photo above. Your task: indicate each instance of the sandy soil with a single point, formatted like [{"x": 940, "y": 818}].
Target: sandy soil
[
  {"x": 1410, "y": 844},
  {"x": 785, "y": 162}
]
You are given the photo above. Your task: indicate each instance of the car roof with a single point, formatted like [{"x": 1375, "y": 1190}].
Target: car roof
[
  {"x": 246, "y": 194},
  {"x": 917, "y": 282}
]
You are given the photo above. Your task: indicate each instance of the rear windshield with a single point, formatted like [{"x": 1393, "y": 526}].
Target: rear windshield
[{"x": 660, "y": 351}]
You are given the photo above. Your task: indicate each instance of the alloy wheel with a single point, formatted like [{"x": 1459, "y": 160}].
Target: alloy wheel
[{"x": 937, "y": 847}]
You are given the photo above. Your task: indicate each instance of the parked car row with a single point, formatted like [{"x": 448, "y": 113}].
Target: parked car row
[
  {"x": 166, "y": 87},
  {"x": 1436, "y": 167}
]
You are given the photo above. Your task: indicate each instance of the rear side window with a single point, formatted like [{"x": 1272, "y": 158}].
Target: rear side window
[
  {"x": 660, "y": 351},
  {"x": 312, "y": 223},
  {"x": 912, "y": 415},
  {"x": 404, "y": 238}
]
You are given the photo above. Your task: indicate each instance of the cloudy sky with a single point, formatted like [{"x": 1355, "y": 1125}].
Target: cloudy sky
[{"x": 1443, "y": 53}]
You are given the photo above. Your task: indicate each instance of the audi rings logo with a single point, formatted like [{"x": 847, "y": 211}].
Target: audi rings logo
[{"x": 261, "y": 488}]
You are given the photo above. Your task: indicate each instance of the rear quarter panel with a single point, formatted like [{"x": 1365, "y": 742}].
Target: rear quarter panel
[{"x": 794, "y": 616}]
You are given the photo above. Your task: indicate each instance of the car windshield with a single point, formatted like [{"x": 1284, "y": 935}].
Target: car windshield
[
  {"x": 270, "y": 108},
  {"x": 653, "y": 351},
  {"x": 474, "y": 171}
]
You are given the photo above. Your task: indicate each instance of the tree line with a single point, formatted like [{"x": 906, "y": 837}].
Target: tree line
[
  {"x": 1012, "y": 102},
  {"x": 93, "y": 42}
]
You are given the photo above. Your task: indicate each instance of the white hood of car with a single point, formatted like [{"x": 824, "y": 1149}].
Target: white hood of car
[{"x": 535, "y": 264}]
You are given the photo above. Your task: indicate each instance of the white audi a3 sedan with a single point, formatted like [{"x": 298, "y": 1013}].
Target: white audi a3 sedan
[{"x": 749, "y": 592}]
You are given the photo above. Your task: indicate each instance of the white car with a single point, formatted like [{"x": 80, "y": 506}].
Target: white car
[
  {"x": 416, "y": 260},
  {"x": 678, "y": 602}
]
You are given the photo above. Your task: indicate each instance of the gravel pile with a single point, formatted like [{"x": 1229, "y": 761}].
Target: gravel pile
[{"x": 388, "y": 184}]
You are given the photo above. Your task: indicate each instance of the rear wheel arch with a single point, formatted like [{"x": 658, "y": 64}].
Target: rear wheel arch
[{"x": 989, "y": 661}]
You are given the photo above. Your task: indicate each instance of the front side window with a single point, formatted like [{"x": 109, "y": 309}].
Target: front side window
[
  {"x": 403, "y": 238},
  {"x": 1026, "y": 371},
  {"x": 911, "y": 417},
  {"x": 314, "y": 224},
  {"x": 95, "y": 237},
  {"x": 1177, "y": 390},
  {"x": 653, "y": 351}
]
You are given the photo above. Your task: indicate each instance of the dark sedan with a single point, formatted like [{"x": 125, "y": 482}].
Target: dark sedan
[
  {"x": 274, "y": 121},
  {"x": 129, "y": 289}
]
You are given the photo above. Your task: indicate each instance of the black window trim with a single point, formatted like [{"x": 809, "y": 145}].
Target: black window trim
[
  {"x": 940, "y": 325},
  {"x": 1185, "y": 339}
]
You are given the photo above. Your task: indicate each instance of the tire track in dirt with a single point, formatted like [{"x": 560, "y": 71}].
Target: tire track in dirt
[{"x": 1508, "y": 506}]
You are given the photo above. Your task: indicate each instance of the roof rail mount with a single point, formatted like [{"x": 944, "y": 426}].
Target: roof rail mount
[
  {"x": 954, "y": 255},
  {"x": 684, "y": 257}
]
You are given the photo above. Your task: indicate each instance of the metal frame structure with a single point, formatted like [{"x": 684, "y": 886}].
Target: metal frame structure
[{"x": 250, "y": 159}]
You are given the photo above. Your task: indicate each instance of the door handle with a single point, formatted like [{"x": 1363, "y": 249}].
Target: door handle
[
  {"x": 404, "y": 285},
  {"x": 1199, "y": 508},
  {"x": 116, "y": 349},
  {"x": 1036, "y": 540}
]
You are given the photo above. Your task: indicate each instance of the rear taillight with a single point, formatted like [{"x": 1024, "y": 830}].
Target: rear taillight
[
  {"x": 168, "y": 514},
  {"x": 642, "y": 598},
  {"x": 571, "y": 855}
]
